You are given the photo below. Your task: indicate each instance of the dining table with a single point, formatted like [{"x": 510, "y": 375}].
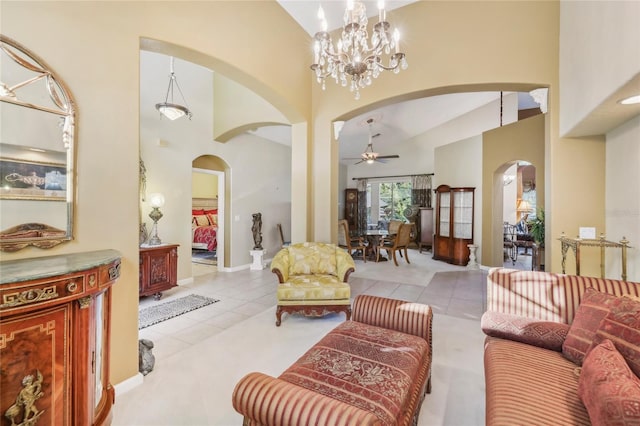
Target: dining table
[{"x": 373, "y": 237}]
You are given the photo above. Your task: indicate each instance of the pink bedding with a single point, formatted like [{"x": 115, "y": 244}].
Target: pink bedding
[{"x": 206, "y": 235}]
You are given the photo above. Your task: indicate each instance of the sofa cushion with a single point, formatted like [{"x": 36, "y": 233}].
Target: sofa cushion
[
  {"x": 369, "y": 367},
  {"x": 608, "y": 388},
  {"x": 622, "y": 327},
  {"x": 544, "y": 334},
  {"x": 528, "y": 385},
  {"x": 315, "y": 258},
  {"x": 593, "y": 307},
  {"x": 312, "y": 288}
]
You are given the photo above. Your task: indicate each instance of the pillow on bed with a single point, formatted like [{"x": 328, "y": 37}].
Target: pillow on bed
[
  {"x": 200, "y": 220},
  {"x": 214, "y": 211},
  {"x": 213, "y": 219},
  {"x": 197, "y": 212}
]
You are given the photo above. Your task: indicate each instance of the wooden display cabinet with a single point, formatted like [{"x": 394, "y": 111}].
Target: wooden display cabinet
[
  {"x": 54, "y": 339},
  {"x": 454, "y": 224},
  {"x": 158, "y": 269}
]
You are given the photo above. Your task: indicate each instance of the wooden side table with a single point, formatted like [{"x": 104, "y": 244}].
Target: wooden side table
[{"x": 158, "y": 269}]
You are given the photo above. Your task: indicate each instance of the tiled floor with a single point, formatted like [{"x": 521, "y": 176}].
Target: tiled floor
[{"x": 243, "y": 322}]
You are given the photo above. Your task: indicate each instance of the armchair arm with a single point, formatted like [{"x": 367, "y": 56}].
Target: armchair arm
[
  {"x": 406, "y": 317},
  {"x": 280, "y": 265},
  {"x": 265, "y": 400},
  {"x": 344, "y": 264}
]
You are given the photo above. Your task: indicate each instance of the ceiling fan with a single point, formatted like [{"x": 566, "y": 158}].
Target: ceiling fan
[{"x": 369, "y": 156}]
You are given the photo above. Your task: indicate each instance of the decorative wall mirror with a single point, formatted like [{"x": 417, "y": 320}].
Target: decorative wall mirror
[{"x": 37, "y": 142}]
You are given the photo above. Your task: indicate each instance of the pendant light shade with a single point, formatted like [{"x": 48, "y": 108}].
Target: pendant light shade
[{"x": 169, "y": 108}]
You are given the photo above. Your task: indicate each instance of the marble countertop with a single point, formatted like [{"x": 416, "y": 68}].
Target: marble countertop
[{"x": 12, "y": 271}]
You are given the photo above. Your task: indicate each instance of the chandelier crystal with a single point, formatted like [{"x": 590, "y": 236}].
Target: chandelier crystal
[{"x": 355, "y": 59}]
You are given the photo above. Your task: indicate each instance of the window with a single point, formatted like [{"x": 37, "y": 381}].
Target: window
[{"x": 386, "y": 201}]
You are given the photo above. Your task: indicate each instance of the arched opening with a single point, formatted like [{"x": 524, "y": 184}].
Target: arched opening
[{"x": 209, "y": 197}]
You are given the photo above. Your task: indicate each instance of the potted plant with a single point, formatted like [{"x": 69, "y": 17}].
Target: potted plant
[{"x": 536, "y": 229}]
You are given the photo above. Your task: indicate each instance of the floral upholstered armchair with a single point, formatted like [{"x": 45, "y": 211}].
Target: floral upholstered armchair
[{"x": 313, "y": 279}]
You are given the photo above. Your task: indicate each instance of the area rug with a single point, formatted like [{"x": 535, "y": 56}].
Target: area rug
[
  {"x": 167, "y": 310},
  {"x": 204, "y": 257}
]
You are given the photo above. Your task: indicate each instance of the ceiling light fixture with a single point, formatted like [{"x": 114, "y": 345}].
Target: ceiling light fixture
[
  {"x": 353, "y": 58},
  {"x": 631, "y": 100},
  {"x": 172, "y": 110}
]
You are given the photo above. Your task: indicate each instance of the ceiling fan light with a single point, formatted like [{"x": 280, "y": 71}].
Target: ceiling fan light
[{"x": 370, "y": 161}]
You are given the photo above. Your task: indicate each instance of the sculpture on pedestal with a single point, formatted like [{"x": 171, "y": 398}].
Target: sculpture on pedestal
[{"x": 256, "y": 228}]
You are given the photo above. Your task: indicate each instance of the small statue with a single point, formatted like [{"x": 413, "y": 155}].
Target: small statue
[
  {"x": 256, "y": 228},
  {"x": 25, "y": 406},
  {"x": 146, "y": 359}
]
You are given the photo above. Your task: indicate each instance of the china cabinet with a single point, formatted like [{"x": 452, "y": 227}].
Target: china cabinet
[
  {"x": 55, "y": 316},
  {"x": 158, "y": 269},
  {"x": 454, "y": 224}
]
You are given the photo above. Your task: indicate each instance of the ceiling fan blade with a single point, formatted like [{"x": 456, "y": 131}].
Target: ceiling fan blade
[{"x": 388, "y": 156}]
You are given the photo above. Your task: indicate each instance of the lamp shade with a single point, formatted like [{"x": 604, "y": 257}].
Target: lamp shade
[
  {"x": 156, "y": 199},
  {"x": 523, "y": 206}
]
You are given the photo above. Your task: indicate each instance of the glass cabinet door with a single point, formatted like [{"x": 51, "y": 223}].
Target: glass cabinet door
[
  {"x": 463, "y": 215},
  {"x": 445, "y": 214}
]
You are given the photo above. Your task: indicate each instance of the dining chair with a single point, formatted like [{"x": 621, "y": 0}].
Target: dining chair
[
  {"x": 353, "y": 245},
  {"x": 400, "y": 243},
  {"x": 282, "y": 241}
]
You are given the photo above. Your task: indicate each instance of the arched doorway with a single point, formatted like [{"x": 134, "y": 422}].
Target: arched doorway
[{"x": 213, "y": 200}]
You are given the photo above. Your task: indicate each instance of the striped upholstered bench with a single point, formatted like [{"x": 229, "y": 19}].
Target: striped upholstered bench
[
  {"x": 530, "y": 377},
  {"x": 373, "y": 369}
]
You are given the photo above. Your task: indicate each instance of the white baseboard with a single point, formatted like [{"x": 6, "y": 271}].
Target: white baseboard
[
  {"x": 128, "y": 384},
  {"x": 186, "y": 281}
]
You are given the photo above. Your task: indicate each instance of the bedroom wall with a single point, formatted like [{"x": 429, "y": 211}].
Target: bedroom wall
[{"x": 204, "y": 185}]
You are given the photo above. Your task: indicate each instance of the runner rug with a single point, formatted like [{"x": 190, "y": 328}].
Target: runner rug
[{"x": 167, "y": 310}]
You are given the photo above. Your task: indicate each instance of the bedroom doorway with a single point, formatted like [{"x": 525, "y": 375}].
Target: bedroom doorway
[{"x": 207, "y": 228}]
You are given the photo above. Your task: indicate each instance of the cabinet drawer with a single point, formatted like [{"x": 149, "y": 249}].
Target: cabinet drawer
[{"x": 13, "y": 297}]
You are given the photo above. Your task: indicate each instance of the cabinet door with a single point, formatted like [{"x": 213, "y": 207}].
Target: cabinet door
[
  {"x": 444, "y": 227},
  {"x": 463, "y": 215},
  {"x": 35, "y": 367}
]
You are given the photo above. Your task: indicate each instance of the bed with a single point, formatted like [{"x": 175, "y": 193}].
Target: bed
[{"x": 204, "y": 224}]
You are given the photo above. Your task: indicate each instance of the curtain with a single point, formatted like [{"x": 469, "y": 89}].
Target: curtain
[
  {"x": 421, "y": 190},
  {"x": 362, "y": 205}
]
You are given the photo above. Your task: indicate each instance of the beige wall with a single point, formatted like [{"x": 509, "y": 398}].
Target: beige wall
[
  {"x": 523, "y": 140},
  {"x": 204, "y": 185},
  {"x": 94, "y": 46}
]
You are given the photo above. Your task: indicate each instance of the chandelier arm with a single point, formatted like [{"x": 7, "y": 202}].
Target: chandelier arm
[
  {"x": 399, "y": 56},
  {"x": 166, "y": 98}
]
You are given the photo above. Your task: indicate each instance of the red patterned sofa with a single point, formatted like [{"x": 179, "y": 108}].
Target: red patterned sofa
[
  {"x": 372, "y": 370},
  {"x": 561, "y": 349}
]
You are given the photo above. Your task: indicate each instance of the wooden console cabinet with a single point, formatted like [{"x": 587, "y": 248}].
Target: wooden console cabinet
[
  {"x": 158, "y": 269},
  {"x": 55, "y": 316}
]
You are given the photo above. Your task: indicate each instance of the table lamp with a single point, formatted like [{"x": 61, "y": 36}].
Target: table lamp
[{"x": 156, "y": 200}]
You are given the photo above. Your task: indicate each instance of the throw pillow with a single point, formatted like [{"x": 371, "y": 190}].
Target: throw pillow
[
  {"x": 622, "y": 327},
  {"x": 197, "y": 212},
  {"x": 608, "y": 388},
  {"x": 532, "y": 331},
  {"x": 593, "y": 307},
  {"x": 201, "y": 220}
]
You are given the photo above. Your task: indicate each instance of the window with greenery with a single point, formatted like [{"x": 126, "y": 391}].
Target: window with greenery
[{"x": 387, "y": 201}]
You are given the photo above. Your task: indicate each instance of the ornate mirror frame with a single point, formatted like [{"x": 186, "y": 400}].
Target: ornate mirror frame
[{"x": 32, "y": 186}]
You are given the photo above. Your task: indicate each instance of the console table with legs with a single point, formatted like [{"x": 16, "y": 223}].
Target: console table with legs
[{"x": 576, "y": 243}]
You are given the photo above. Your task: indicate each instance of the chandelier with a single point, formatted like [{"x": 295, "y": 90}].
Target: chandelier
[
  {"x": 169, "y": 108},
  {"x": 355, "y": 58}
]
